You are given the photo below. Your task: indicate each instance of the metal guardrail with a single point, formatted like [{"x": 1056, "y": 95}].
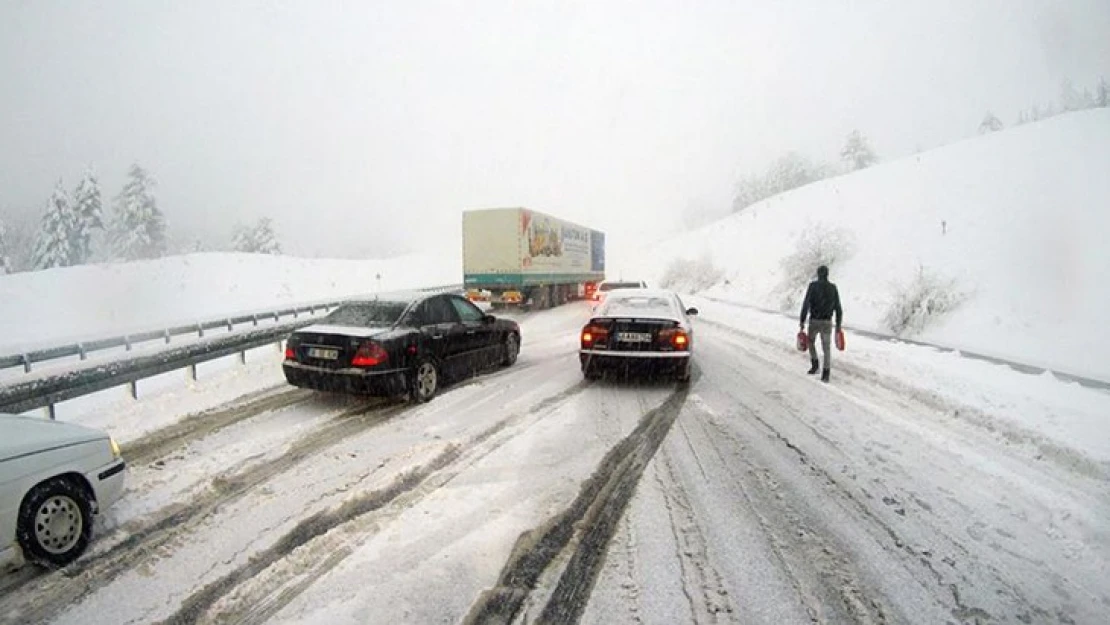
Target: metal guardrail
[
  {"x": 82, "y": 349},
  {"x": 47, "y": 390}
]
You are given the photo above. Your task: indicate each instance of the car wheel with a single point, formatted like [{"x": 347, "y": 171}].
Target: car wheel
[
  {"x": 55, "y": 522},
  {"x": 511, "y": 349},
  {"x": 424, "y": 381},
  {"x": 683, "y": 374},
  {"x": 591, "y": 372}
]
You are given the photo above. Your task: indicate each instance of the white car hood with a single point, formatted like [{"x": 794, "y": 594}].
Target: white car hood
[
  {"x": 20, "y": 436},
  {"x": 359, "y": 331}
]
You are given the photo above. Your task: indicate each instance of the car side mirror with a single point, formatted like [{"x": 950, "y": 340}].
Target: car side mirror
[
  {"x": 692, "y": 312},
  {"x": 488, "y": 319}
]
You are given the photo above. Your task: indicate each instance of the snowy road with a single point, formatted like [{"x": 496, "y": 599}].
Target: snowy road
[{"x": 755, "y": 495}]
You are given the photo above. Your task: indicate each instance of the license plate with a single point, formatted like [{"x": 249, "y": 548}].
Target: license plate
[
  {"x": 634, "y": 337},
  {"x": 323, "y": 354}
]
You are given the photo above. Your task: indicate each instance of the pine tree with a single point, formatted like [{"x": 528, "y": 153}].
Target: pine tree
[
  {"x": 1102, "y": 94},
  {"x": 89, "y": 214},
  {"x": 265, "y": 240},
  {"x": 857, "y": 152},
  {"x": 57, "y": 241},
  {"x": 257, "y": 240},
  {"x": 5, "y": 253},
  {"x": 990, "y": 123},
  {"x": 139, "y": 230}
]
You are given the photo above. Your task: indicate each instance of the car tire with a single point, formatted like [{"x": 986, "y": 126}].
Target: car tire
[
  {"x": 55, "y": 522},
  {"x": 683, "y": 374},
  {"x": 511, "y": 349},
  {"x": 590, "y": 372},
  {"x": 424, "y": 381}
]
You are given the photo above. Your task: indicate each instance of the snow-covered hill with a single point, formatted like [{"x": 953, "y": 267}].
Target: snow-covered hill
[
  {"x": 1015, "y": 222},
  {"x": 46, "y": 307}
]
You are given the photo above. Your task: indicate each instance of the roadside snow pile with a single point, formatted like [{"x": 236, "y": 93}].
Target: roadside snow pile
[
  {"x": 44, "y": 308},
  {"x": 994, "y": 245}
]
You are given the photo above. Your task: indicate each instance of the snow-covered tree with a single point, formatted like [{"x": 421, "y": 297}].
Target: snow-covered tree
[
  {"x": 89, "y": 214},
  {"x": 1102, "y": 94},
  {"x": 257, "y": 240},
  {"x": 5, "y": 253},
  {"x": 138, "y": 229},
  {"x": 857, "y": 152},
  {"x": 57, "y": 242},
  {"x": 990, "y": 123}
]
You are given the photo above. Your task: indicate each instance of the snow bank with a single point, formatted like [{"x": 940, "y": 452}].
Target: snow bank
[
  {"x": 60, "y": 305},
  {"x": 1014, "y": 223}
]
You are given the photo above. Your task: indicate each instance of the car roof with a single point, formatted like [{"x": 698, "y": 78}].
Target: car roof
[
  {"x": 622, "y": 293},
  {"x": 396, "y": 297}
]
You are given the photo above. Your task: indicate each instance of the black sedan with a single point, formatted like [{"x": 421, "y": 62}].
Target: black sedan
[
  {"x": 397, "y": 344},
  {"x": 639, "y": 330}
]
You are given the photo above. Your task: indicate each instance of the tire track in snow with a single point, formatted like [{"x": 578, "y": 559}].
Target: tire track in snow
[
  {"x": 351, "y": 522},
  {"x": 155, "y": 444},
  {"x": 699, "y": 577},
  {"x": 146, "y": 539},
  {"x": 592, "y": 517}
]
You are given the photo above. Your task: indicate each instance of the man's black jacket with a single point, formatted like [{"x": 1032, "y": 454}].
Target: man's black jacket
[{"x": 822, "y": 300}]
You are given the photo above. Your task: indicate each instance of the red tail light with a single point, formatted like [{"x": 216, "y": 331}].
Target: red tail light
[
  {"x": 369, "y": 355},
  {"x": 591, "y": 335},
  {"x": 676, "y": 339},
  {"x": 290, "y": 354}
]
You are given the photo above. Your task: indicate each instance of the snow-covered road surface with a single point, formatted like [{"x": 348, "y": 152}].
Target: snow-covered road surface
[{"x": 754, "y": 495}]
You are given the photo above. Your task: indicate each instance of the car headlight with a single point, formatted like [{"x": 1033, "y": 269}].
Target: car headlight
[{"x": 115, "y": 448}]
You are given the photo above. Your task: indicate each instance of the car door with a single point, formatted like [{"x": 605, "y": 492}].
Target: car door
[
  {"x": 449, "y": 333},
  {"x": 480, "y": 338},
  {"x": 436, "y": 320}
]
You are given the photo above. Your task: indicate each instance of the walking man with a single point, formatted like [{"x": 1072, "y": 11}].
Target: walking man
[{"x": 822, "y": 300}]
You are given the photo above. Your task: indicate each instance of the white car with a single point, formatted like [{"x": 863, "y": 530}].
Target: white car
[
  {"x": 54, "y": 477},
  {"x": 606, "y": 286},
  {"x": 644, "y": 330}
]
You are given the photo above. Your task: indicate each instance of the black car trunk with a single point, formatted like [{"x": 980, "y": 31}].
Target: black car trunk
[{"x": 330, "y": 351}]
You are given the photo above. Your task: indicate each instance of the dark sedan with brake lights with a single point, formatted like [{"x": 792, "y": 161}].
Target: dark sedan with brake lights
[
  {"x": 646, "y": 330},
  {"x": 399, "y": 343}
]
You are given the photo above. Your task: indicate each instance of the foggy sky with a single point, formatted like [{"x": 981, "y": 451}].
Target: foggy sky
[{"x": 364, "y": 128}]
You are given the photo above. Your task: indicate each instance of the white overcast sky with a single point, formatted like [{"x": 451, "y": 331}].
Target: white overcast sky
[{"x": 366, "y": 127}]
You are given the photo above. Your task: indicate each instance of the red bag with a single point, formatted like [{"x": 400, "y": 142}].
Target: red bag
[
  {"x": 803, "y": 341},
  {"x": 840, "y": 339}
]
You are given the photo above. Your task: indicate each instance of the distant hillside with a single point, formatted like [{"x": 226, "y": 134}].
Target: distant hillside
[
  {"x": 43, "y": 307},
  {"x": 1013, "y": 225}
]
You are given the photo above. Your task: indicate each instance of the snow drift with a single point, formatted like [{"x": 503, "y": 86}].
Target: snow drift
[
  {"x": 996, "y": 244},
  {"x": 43, "y": 308}
]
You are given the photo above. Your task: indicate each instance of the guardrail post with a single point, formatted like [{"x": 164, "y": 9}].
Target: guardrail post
[
  {"x": 50, "y": 412},
  {"x": 200, "y": 330},
  {"x": 230, "y": 326},
  {"x": 133, "y": 389},
  {"x": 243, "y": 357},
  {"x": 254, "y": 318},
  {"x": 81, "y": 351},
  {"x": 127, "y": 342},
  {"x": 191, "y": 373},
  {"x": 294, "y": 312},
  {"x": 26, "y": 363},
  {"x": 276, "y": 317},
  {"x": 166, "y": 335}
]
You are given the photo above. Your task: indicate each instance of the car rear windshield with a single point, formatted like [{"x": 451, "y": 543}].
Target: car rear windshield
[
  {"x": 609, "y": 286},
  {"x": 639, "y": 307},
  {"x": 367, "y": 314}
]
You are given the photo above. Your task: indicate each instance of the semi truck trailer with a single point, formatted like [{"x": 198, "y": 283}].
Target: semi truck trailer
[{"x": 516, "y": 257}]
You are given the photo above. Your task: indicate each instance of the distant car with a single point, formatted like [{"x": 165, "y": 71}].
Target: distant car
[
  {"x": 54, "y": 477},
  {"x": 641, "y": 330},
  {"x": 399, "y": 343},
  {"x": 605, "y": 286}
]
